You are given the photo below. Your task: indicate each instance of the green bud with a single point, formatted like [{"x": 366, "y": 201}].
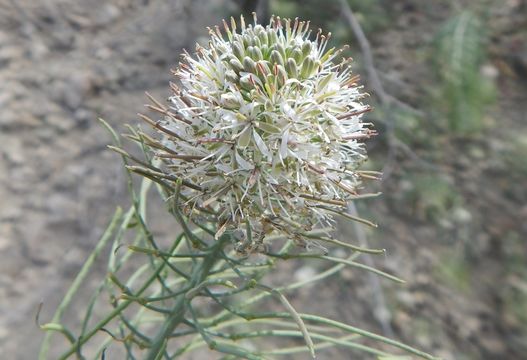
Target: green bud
[
  {"x": 256, "y": 41},
  {"x": 276, "y": 58},
  {"x": 264, "y": 66},
  {"x": 263, "y": 38},
  {"x": 229, "y": 101},
  {"x": 269, "y": 79},
  {"x": 236, "y": 65},
  {"x": 297, "y": 55},
  {"x": 246, "y": 83},
  {"x": 291, "y": 68},
  {"x": 289, "y": 50},
  {"x": 238, "y": 50},
  {"x": 259, "y": 29},
  {"x": 273, "y": 37},
  {"x": 306, "y": 48},
  {"x": 249, "y": 65},
  {"x": 259, "y": 53},
  {"x": 282, "y": 75},
  {"x": 250, "y": 51},
  {"x": 265, "y": 51},
  {"x": 247, "y": 40},
  {"x": 255, "y": 53},
  {"x": 307, "y": 67},
  {"x": 231, "y": 76},
  {"x": 238, "y": 38},
  {"x": 280, "y": 48}
]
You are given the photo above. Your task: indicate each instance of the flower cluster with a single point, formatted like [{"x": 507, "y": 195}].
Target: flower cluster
[{"x": 265, "y": 130}]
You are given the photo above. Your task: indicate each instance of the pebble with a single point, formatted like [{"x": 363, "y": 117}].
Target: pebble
[{"x": 304, "y": 273}]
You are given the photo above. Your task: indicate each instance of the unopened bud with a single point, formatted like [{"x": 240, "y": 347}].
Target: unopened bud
[{"x": 229, "y": 101}]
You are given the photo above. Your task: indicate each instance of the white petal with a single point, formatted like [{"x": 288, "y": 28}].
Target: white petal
[
  {"x": 283, "y": 145},
  {"x": 244, "y": 164},
  {"x": 245, "y": 138},
  {"x": 261, "y": 145}
]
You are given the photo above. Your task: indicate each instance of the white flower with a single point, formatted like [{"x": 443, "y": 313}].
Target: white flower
[{"x": 268, "y": 128}]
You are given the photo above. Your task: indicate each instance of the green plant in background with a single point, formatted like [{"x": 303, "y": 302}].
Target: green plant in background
[
  {"x": 514, "y": 154},
  {"x": 454, "y": 270},
  {"x": 515, "y": 290},
  {"x": 373, "y": 15},
  {"x": 428, "y": 196},
  {"x": 255, "y": 156},
  {"x": 463, "y": 93}
]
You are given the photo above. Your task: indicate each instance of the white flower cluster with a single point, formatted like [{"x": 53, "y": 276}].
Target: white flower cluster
[{"x": 266, "y": 125}]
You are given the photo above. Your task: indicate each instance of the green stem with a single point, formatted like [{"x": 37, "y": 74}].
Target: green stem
[
  {"x": 117, "y": 310},
  {"x": 354, "y": 330},
  {"x": 199, "y": 274},
  {"x": 83, "y": 273}
]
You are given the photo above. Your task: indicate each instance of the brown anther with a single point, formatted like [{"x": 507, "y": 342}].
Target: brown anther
[
  {"x": 354, "y": 113},
  {"x": 368, "y": 134}
]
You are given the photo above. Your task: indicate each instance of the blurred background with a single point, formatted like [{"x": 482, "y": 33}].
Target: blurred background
[{"x": 448, "y": 80}]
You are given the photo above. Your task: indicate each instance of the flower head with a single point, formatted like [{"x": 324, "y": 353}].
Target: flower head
[{"x": 265, "y": 125}]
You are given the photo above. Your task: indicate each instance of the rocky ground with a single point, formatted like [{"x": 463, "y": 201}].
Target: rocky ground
[{"x": 64, "y": 63}]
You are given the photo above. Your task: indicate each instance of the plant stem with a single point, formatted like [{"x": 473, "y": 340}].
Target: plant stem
[
  {"x": 83, "y": 273},
  {"x": 199, "y": 274},
  {"x": 117, "y": 310}
]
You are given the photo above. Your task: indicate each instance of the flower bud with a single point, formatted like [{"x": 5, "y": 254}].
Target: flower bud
[
  {"x": 231, "y": 76},
  {"x": 249, "y": 65},
  {"x": 291, "y": 68},
  {"x": 255, "y": 53},
  {"x": 264, "y": 40},
  {"x": 281, "y": 75},
  {"x": 238, "y": 50},
  {"x": 276, "y": 58},
  {"x": 263, "y": 67},
  {"x": 229, "y": 101},
  {"x": 307, "y": 67},
  {"x": 297, "y": 56},
  {"x": 236, "y": 65},
  {"x": 306, "y": 48},
  {"x": 246, "y": 83}
]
